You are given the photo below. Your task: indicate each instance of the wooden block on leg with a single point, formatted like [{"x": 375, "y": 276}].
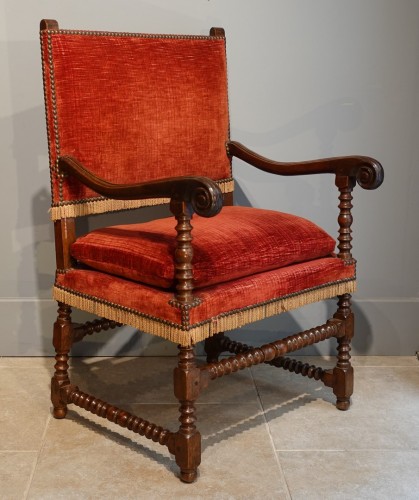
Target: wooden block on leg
[
  {"x": 62, "y": 341},
  {"x": 187, "y": 440}
]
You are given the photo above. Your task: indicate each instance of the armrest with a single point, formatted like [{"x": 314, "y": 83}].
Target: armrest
[
  {"x": 202, "y": 193},
  {"x": 368, "y": 172}
]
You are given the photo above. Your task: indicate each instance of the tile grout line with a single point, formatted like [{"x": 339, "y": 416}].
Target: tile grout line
[
  {"x": 28, "y": 486},
  {"x": 349, "y": 450},
  {"x": 284, "y": 479}
]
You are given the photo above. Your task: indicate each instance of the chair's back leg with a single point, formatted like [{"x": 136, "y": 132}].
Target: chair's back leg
[
  {"x": 213, "y": 347},
  {"x": 62, "y": 341}
]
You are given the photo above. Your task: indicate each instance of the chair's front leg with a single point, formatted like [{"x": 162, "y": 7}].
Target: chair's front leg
[
  {"x": 187, "y": 439},
  {"x": 343, "y": 373},
  {"x": 62, "y": 341}
]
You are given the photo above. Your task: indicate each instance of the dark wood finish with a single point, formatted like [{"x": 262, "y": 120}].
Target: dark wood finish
[
  {"x": 187, "y": 440},
  {"x": 202, "y": 193},
  {"x": 367, "y": 172},
  {"x": 65, "y": 236},
  {"x": 48, "y": 24},
  {"x": 90, "y": 327},
  {"x": 183, "y": 257},
  {"x": 217, "y": 32},
  {"x": 62, "y": 341},
  {"x": 221, "y": 343},
  {"x": 226, "y": 344},
  {"x": 214, "y": 346},
  {"x": 268, "y": 352},
  {"x": 345, "y": 186},
  {"x": 228, "y": 199},
  {"x": 298, "y": 367},
  {"x": 343, "y": 373},
  {"x": 72, "y": 394}
]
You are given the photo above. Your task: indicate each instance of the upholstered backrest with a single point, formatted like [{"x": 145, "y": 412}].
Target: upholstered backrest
[{"x": 133, "y": 108}]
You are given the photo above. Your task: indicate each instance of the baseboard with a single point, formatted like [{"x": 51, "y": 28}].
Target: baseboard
[{"x": 383, "y": 327}]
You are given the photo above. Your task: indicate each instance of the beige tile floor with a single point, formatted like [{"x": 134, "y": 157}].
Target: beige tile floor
[{"x": 266, "y": 434}]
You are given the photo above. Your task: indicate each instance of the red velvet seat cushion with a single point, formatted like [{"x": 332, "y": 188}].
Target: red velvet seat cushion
[{"x": 239, "y": 242}]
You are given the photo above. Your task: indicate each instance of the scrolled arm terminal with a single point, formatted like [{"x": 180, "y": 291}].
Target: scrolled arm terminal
[
  {"x": 370, "y": 175},
  {"x": 367, "y": 172}
]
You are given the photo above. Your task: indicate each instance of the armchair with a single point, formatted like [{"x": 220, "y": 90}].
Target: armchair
[{"x": 136, "y": 120}]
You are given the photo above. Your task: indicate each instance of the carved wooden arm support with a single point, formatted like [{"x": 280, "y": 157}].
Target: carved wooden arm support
[
  {"x": 367, "y": 172},
  {"x": 203, "y": 194},
  {"x": 187, "y": 195}
]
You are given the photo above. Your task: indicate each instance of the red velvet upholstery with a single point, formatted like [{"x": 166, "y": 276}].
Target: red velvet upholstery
[
  {"x": 239, "y": 242},
  {"x": 135, "y": 108},
  {"x": 216, "y": 300}
]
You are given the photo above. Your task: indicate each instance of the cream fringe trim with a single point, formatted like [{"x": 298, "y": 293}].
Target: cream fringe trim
[
  {"x": 224, "y": 322},
  {"x": 99, "y": 206}
]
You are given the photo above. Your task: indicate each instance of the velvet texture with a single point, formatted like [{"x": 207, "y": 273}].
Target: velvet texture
[
  {"x": 135, "y": 108},
  {"x": 238, "y": 242},
  {"x": 217, "y": 300}
]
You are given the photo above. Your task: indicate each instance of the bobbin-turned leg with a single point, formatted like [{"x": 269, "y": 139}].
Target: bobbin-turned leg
[
  {"x": 343, "y": 373},
  {"x": 187, "y": 447},
  {"x": 213, "y": 347},
  {"x": 62, "y": 341}
]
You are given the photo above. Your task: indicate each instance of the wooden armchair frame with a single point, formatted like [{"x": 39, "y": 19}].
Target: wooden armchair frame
[{"x": 201, "y": 195}]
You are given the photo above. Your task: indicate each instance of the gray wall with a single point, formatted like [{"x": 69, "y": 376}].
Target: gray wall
[{"x": 307, "y": 80}]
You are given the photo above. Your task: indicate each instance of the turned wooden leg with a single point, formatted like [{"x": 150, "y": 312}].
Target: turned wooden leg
[
  {"x": 213, "y": 347},
  {"x": 343, "y": 373},
  {"x": 62, "y": 341},
  {"x": 187, "y": 439}
]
